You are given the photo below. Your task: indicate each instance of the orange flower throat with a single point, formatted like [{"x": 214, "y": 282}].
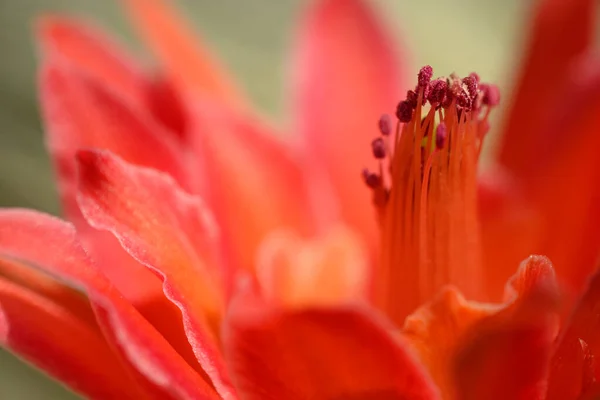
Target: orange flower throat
[{"x": 425, "y": 191}]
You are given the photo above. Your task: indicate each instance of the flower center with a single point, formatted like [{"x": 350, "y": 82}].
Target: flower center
[{"x": 425, "y": 191}]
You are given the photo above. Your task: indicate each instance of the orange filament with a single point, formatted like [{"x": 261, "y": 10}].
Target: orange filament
[{"x": 426, "y": 203}]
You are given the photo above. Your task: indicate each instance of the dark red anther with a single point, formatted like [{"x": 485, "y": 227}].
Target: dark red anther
[
  {"x": 441, "y": 135},
  {"x": 412, "y": 97},
  {"x": 404, "y": 111},
  {"x": 471, "y": 85},
  {"x": 491, "y": 94},
  {"x": 437, "y": 94},
  {"x": 385, "y": 124},
  {"x": 378, "y": 147},
  {"x": 424, "y": 76},
  {"x": 372, "y": 180},
  {"x": 475, "y": 76},
  {"x": 464, "y": 100}
]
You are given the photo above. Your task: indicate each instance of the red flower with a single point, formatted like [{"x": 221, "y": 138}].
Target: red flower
[{"x": 206, "y": 258}]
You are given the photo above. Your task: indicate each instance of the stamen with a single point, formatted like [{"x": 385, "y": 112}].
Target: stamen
[
  {"x": 491, "y": 94},
  {"x": 372, "y": 180},
  {"x": 378, "y": 146},
  {"x": 385, "y": 125},
  {"x": 404, "y": 111},
  {"x": 424, "y": 76},
  {"x": 437, "y": 94},
  {"x": 426, "y": 199}
]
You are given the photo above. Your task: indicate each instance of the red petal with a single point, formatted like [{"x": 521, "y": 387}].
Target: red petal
[
  {"x": 570, "y": 372},
  {"x": 82, "y": 112},
  {"x": 166, "y": 230},
  {"x": 90, "y": 51},
  {"x": 565, "y": 227},
  {"x": 181, "y": 53},
  {"x": 438, "y": 329},
  {"x": 52, "y": 245},
  {"x": 44, "y": 332},
  {"x": 33, "y": 280},
  {"x": 318, "y": 353},
  {"x": 507, "y": 355},
  {"x": 561, "y": 31},
  {"x": 345, "y": 77},
  {"x": 247, "y": 164}
]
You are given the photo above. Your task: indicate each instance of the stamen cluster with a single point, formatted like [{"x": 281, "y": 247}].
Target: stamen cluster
[
  {"x": 466, "y": 94},
  {"x": 425, "y": 189}
]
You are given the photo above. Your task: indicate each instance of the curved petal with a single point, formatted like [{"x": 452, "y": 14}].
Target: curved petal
[
  {"x": 507, "y": 355},
  {"x": 167, "y": 231},
  {"x": 57, "y": 292},
  {"x": 561, "y": 32},
  {"x": 560, "y": 191},
  {"x": 81, "y": 112},
  {"x": 246, "y": 163},
  {"x": 439, "y": 329},
  {"x": 36, "y": 328},
  {"x": 573, "y": 370},
  {"x": 345, "y": 75},
  {"x": 182, "y": 55},
  {"x": 88, "y": 49},
  {"x": 52, "y": 245},
  {"x": 325, "y": 353}
]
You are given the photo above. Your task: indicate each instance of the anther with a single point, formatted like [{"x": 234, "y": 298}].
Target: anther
[
  {"x": 471, "y": 85},
  {"x": 412, "y": 97},
  {"x": 475, "y": 76},
  {"x": 371, "y": 179},
  {"x": 437, "y": 94},
  {"x": 385, "y": 125},
  {"x": 378, "y": 147},
  {"x": 424, "y": 76},
  {"x": 404, "y": 111},
  {"x": 491, "y": 94}
]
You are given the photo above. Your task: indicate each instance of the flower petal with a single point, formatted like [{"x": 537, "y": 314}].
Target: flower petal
[
  {"x": 345, "y": 76},
  {"x": 89, "y": 50},
  {"x": 181, "y": 54},
  {"x": 507, "y": 355},
  {"x": 169, "y": 232},
  {"x": 439, "y": 329},
  {"x": 246, "y": 163},
  {"x": 36, "y": 328},
  {"x": 326, "y": 353},
  {"x": 52, "y": 245},
  {"x": 572, "y": 373},
  {"x": 57, "y": 292},
  {"x": 561, "y": 32},
  {"x": 564, "y": 227},
  {"x": 81, "y": 112}
]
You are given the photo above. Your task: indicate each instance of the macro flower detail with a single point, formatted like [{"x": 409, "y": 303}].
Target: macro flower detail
[
  {"x": 204, "y": 257},
  {"x": 427, "y": 200}
]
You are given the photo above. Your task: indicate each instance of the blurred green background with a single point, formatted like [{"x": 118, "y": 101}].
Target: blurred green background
[{"x": 252, "y": 37}]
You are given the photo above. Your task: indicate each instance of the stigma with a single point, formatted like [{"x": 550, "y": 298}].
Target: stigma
[{"x": 424, "y": 190}]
